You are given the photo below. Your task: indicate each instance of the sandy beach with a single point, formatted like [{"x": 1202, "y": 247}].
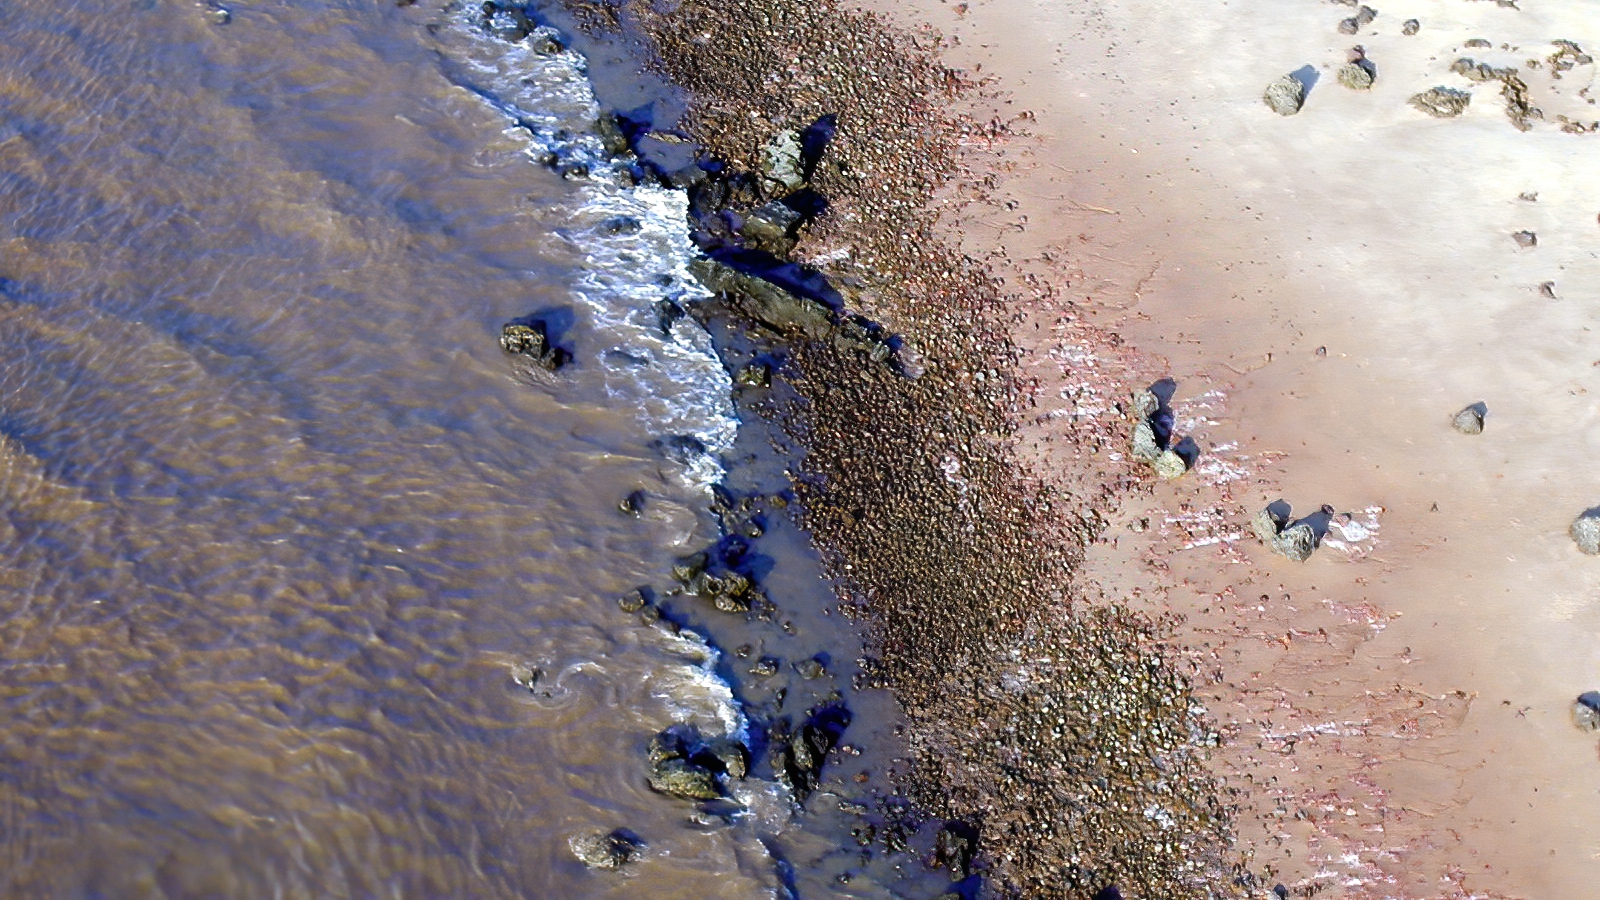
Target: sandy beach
[{"x": 1327, "y": 289}]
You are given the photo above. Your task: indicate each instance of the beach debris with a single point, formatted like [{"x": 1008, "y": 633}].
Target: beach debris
[
  {"x": 528, "y": 337},
  {"x": 1410, "y": 27},
  {"x": 1470, "y": 419},
  {"x": 1441, "y": 102},
  {"x": 1361, "y": 19},
  {"x": 1292, "y": 540},
  {"x": 783, "y": 162},
  {"x": 1285, "y": 95},
  {"x": 1152, "y": 436},
  {"x": 1525, "y": 239},
  {"x": 1358, "y": 75},
  {"x": 1585, "y": 531},
  {"x": 1586, "y": 711},
  {"x": 605, "y": 849}
]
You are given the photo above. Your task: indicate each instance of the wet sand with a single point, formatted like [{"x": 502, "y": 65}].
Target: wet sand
[{"x": 1396, "y": 710}]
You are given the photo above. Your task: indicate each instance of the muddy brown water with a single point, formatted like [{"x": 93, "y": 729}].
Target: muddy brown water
[{"x": 282, "y": 521}]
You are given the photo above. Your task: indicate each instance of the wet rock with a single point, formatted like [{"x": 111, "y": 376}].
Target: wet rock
[
  {"x": 1410, "y": 27},
  {"x": 1585, "y": 531},
  {"x": 756, "y": 374},
  {"x": 1441, "y": 102},
  {"x": 764, "y": 301},
  {"x": 687, "y": 568},
  {"x": 634, "y": 600},
  {"x": 1356, "y": 77},
  {"x": 797, "y": 759},
  {"x": 667, "y": 315},
  {"x": 1586, "y": 711},
  {"x": 771, "y": 224},
  {"x": 954, "y": 848},
  {"x": 621, "y": 225},
  {"x": 506, "y": 21},
  {"x": 632, "y": 505},
  {"x": 1285, "y": 95},
  {"x": 1469, "y": 420},
  {"x": 1525, "y": 239},
  {"x": 1169, "y": 465},
  {"x": 605, "y": 849},
  {"x": 732, "y": 756},
  {"x": 810, "y": 669},
  {"x": 681, "y": 778},
  {"x": 528, "y": 338},
  {"x": 765, "y": 667},
  {"x": 783, "y": 162},
  {"x": 1144, "y": 445},
  {"x": 547, "y": 42}
]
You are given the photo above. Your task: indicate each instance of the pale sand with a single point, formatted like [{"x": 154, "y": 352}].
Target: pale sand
[{"x": 1185, "y": 216}]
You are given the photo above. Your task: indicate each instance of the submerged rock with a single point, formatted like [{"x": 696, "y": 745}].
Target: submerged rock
[
  {"x": 1469, "y": 420},
  {"x": 681, "y": 778},
  {"x": 1441, "y": 102},
  {"x": 529, "y": 339},
  {"x": 605, "y": 849},
  {"x": 1586, "y": 711},
  {"x": 1585, "y": 532},
  {"x": 1285, "y": 95}
]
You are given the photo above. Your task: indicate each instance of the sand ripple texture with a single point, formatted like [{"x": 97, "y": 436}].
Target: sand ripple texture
[{"x": 280, "y": 519}]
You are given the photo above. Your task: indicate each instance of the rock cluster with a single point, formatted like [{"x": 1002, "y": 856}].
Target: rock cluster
[
  {"x": 1152, "y": 436},
  {"x": 687, "y": 766}
]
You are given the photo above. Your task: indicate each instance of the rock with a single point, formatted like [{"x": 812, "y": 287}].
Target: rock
[
  {"x": 771, "y": 224},
  {"x": 765, "y": 667},
  {"x": 764, "y": 301},
  {"x": 1441, "y": 102},
  {"x": 1519, "y": 106},
  {"x": 1361, "y": 19},
  {"x": 634, "y": 600},
  {"x": 783, "y": 161},
  {"x": 1169, "y": 465},
  {"x": 1356, "y": 77},
  {"x": 1469, "y": 420},
  {"x": 809, "y": 669},
  {"x": 622, "y": 225},
  {"x": 1285, "y": 95},
  {"x": 1410, "y": 27},
  {"x": 732, "y": 756},
  {"x": 1586, "y": 711},
  {"x": 1525, "y": 239},
  {"x": 1547, "y": 290},
  {"x": 667, "y": 315},
  {"x": 1585, "y": 532},
  {"x": 1477, "y": 43},
  {"x": 605, "y": 849},
  {"x": 681, "y": 778},
  {"x": 756, "y": 374},
  {"x": 954, "y": 848},
  {"x": 632, "y": 505},
  {"x": 1476, "y": 71},
  {"x": 1266, "y": 524},
  {"x": 1296, "y": 542},
  {"x": 1144, "y": 445},
  {"x": 506, "y": 21},
  {"x": 529, "y": 339},
  {"x": 1145, "y": 404}
]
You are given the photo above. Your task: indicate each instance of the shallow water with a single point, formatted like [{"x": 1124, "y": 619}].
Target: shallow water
[{"x": 282, "y": 519}]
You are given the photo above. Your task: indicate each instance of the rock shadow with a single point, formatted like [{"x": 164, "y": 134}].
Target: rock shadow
[{"x": 1307, "y": 76}]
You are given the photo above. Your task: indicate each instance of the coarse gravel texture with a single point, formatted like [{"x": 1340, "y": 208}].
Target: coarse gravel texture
[{"x": 1064, "y": 730}]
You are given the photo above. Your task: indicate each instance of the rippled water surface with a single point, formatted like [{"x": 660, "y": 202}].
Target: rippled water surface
[{"x": 280, "y": 516}]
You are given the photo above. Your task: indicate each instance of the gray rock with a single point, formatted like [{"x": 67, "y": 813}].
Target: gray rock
[
  {"x": 782, "y": 163},
  {"x": 1145, "y": 404},
  {"x": 1296, "y": 542},
  {"x": 605, "y": 849},
  {"x": 1285, "y": 95},
  {"x": 1468, "y": 421},
  {"x": 1442, "y": 102},
  {"x": 1266, "y": 524},
  {"x": 1586, "y": 711},
  {"x": 682, "y": 778},
  {"x": 1356, "y": 77},
  {"x": 1525, "y": 239},
  {"x": 1585, "y": 532},
  {"x": 1144, "y": 444},
  {"x": 771, "y": 223},
  {"x": 1361, "y": 19},
  {"x": 1410, "y": 27},
  {"x": 1169, "y": 465},
  {"x": 764, "y": 301}
]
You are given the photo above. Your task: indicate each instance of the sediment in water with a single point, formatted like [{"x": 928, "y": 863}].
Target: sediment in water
[{"x": 1061, "y": 729}]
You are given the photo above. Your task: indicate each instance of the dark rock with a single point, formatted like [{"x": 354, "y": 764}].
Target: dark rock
[
  {"x": 1478, "y": 43},
  {"x": 1585, "y": 531},
  {"x": 754, "y": 374},
  {"x": 1469, "y": 420},
  {"x": 764, "y": 301},
  {"x": 528, "y": 338},
  {"x": 632, "y": 505},
  {"x": 1441, "y": 102},
  {"x": 621, "y": 225},
  {"x": 732, "y": 756},
  {"x": 1361, "y": 19},
  {"x": 681, "y": 778},
  {"x": 1411, "y": 27},
  {"x": 765, "y": 667},
  {"x": 1285, "y": 95},
  {"x": 605, "y": 849},
  {"x": 634, "y": 600},
  {"x": 1586, "y": 711},
  {"x": 506, "y": 21},
  {"x": 797, "y": 759},
  {"x": 1525, "y": 239},
  {"x": 667, "y": 315},
  {"x": 546, "y": 42},
  {"x": 771, "y": 224}
]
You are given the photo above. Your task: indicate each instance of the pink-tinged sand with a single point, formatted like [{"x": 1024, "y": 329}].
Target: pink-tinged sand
[{"x": 1397, "y": 707}]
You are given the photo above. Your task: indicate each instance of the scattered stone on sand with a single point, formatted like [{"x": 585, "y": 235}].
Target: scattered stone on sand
[
  {"x": 1547, "y": 290},
  {"x": 1266, "y": 524},
  {"x": 1586, "y": 711},
  {"x": 756, "y": 374},
  {"x": 1169, "y": 465},
  {"x": 1441, "y": 102},
  {"x": 1145, "y": 403},
  {"x": 605, "y": 849},
  {"x": 1469, "y": 420},
  {"x": 783, "y": 162},
  {"x": 1285, "y": 95},
  {"x": 1478, "y": 43},
  {"x": 529, "y": 339},
  {"x": 1525, "y": 239},
  {"x": 1411, "y": 27},
  {"x": 1585, "y": 531},
  {"x": 1479, "y": 72},
  {"x": 1529, "y": 196},
  {"x": 1360, "y": 20},
  {"x": 1519, "y": 106},
  {"x": 1355, "y": 76}
]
